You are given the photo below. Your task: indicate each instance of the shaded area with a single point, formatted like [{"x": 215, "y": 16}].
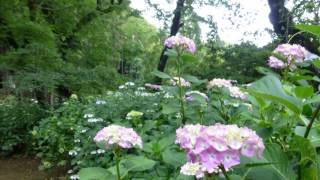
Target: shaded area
[{"x": 26, "y": 168}]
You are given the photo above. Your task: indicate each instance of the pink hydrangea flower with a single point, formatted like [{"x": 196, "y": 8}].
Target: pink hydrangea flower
[
  {"x": 294, "y": 51},
  {"x": 175, "y": 82},
  {"x": 292, "y": 54},
  {"x": 212, "y": 146},
  {"x": 118, "y": 135},
  {"x": 275, "y": 63},
  {"x": 180, "y": 41}
]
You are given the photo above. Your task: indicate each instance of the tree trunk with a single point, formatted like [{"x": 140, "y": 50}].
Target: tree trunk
[{"x": 175, "y": 26}]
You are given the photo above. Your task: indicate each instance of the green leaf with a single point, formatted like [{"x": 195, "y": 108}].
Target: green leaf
[
  {"x": 95, "y": 173},
  {"x": 314, "y": 135},
  {"x": 171, "y": 53},
  {"x": 174, "y": 158},
  {"x": 313, "y": 29},
  {"x": 171, "y": 107},
  {"x": 161, "y": 75},
  {"x": 137, "y": 163},
  {"x": 316, "y": 63},
  {"x": 303, "y": 91},
  {"x": 188, "y": 58},
  {"x": 308, "y": 154},
  {"x": 274, "y": 165},
  {"x": 194, "y": 79},
  {"x": 270, "y": 87},
  {"x": 166, "y": 141}
]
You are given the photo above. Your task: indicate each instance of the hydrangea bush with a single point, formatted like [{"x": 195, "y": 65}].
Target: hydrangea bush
[{"x": 190, "y": 128}]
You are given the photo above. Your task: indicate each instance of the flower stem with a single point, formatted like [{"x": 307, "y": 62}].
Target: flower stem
[
  {"x": 314, "y": 116},
  {"x": 117, "y": 157},
  {"x": 224, "y": 172},
  {"x": 182, "y": 110}
]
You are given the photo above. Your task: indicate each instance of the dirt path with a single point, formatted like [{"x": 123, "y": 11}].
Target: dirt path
[{"x": 25, "y": 168}]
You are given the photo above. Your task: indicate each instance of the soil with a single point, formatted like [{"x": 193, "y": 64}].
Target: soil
[{"x": 26, "y": 168}]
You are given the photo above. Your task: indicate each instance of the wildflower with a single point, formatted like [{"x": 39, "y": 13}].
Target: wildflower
[
  {"x": 218, "y": 82},
  {"x": 176, "y": 82},
  {"x": 129, "y": 84},
  {"x": 88, "y": 116},
  {"x": 180, "y": 42},
  {"x": 94, "y": 120},
  {"x": 122, "y": 87},
  {"x": 101, "y": 151},
  {"x": 73, "y": 153},
  {"x": 74, "y": 96},
  {"x": 134, "y": 114},
  {"x": 209, "y": 147},
  {"x": 99, "y": 102},
  {"x": 74, "y": 177},
  {"x": 275, "y": 63},
  {"x": 192, "y": 169},
  {"x": 118, "y": 135},
  {"x": 84, "y": 130},
  {"x": 141, "y": 88},
  {"x": 77, "y": 140},
  {"x": 167, "y": 95}
]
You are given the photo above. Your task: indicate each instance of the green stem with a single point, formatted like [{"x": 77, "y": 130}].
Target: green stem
[
  {"x": 224, "y": 172},
  {"x": 314, "y": 116},
  {"x": 117, "y": 157},
  {"x": 182, "y": 111}
]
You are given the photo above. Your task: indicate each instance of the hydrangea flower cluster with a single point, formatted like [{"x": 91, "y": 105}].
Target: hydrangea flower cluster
[
  {"x": 180, "y": 41},
  {"x": 291, "y": 53},
  {"x": 275, "y": 63},
  {"x": 224, "y": 83},
  {"x": 218, "y": 82},
  {"x": 134, "y": 114},
  {"x": 118, "y": 135},
  {"x": 189, "y": 94},
  {"x": 237, "y": 93},
  {"x": 209, "y": 147},
  {"x": 175, "y": 81}
]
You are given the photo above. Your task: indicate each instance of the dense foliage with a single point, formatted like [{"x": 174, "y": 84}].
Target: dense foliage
[{"x": 77, "y": 90}]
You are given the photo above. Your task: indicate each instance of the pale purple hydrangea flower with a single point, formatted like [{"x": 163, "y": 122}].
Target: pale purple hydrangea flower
[
  {"x": 189, "y": 94},
  {"x": 175, "y": 82},
  {"x": 237, "y": 93},
  {"x": 218, "y": 82},
  {"x": 180, "y": 41},
  {"x": 209, "y": 147},
  {"x": 275, "y": 63},
  {"x": 292, "y": 54},
  {"x": 118, "y": 135}
]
